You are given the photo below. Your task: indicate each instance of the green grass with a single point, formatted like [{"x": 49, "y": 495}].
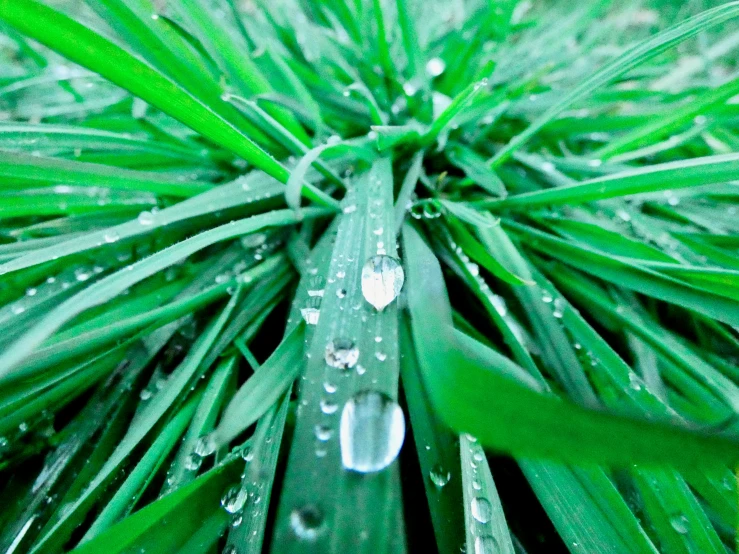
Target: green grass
[{"x": 369, "y": 276}]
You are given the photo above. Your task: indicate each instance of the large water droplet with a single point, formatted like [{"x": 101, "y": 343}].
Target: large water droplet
[
  {"x": 371, "y": 432},
  {"x": 382, "y": 279},
  {"x": 439, "y": 476},
  {"x": 342, "y": 353},
  {"x": 482, "y": 510},
  {"x": 306, "y": 522},
  {"x": 234, "y": 499},
  {"x": 486, "y": 544}
]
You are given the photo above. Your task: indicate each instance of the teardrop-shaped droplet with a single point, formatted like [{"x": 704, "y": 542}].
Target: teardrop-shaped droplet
[
  {"x": 382, "y": 279},
  {"x": 439, "y": 476},
  {"x": 205, "y": 446},
  {"x": 234, "y": 499},
  {"x": 371, "y": 432},
  {"x": 342, "y": 353},
  {"x": 306, "y": 522},
  {"x": 482, "y": 510}
]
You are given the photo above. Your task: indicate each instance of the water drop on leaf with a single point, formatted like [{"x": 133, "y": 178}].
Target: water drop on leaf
[
  {"x": 371, "y": 432},
  {"x": 382, "y": 280}
]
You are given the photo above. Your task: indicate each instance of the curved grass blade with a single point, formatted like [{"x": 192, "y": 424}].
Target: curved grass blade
[{"x": 462, "y": 398}]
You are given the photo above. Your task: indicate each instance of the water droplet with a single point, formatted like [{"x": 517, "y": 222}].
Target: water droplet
[
  {"x": 680, "y": 523},
  {"x": 310, "y": 315},
  {"x": 559, "y": 308},
  {"x": 350, "y": 209},
  {"x": 435, "y": 67},
  {"x": 382, "y": 280},
  {"x": 546, "y": 297},
  {"x": 381, "y": 356},
  {"x": 146, "y": 218},
  {"x": 485, "y": 544},
  {"x": 193, "y": 462},
  {"x": 247, "y": 454},
  {"x": 306, "y": 522},
  {"x": 234, "y": 499},
  {"x": 328, "y": 407},
  {"x": 371, "y": 432},
  {"x": 145, "y": 394},
  {"x": 482, "y": 510},
  {"x": 236, "y": 521},
  {"x": 342, "y": 353},
  {"x": 82, "y": 274},
  {"x": 205, "y": 446},
  {"x": 329, "y": 387},
  {"x": 323, "y": 432},
  {"x": 341, "y": 293},
  {"x": 476, "y": 485},
  {"x": 439, "y": 476},
  {"x": 111, "y": 236}
]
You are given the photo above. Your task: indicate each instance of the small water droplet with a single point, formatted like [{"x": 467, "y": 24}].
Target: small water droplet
[
  {"x": 328, "y": 407},
  {"x": 351, "y": 208},
  {"x": 435, "y": 67},
  {"x": 486, "y": 544},
  {"x": 382, "y": 280},
  {"x": 559, "y": 308},
  {"x": 371, "y": 432},
  {"x": 680, "y": 523},
  {"x": 193, "y": 462},
  {"x": 247, "y": 454},
  {"x": 381, "y": 356},
  {"x": 342, "y": 353},
  {"x": 323, "y": 432},
  {"x": 205, "y": 446},
  {"x": 439, "y": 476},
  {"x": 340, "y": 293},
  {"x": 146, "y": 218},
  {"x": 111, "y": 236},
  {"x": 234, "y": 499},
  {"x": 306, "y": 522},
  {"x": 481, "y": 508},
  {"x": 82, "y": 274}
]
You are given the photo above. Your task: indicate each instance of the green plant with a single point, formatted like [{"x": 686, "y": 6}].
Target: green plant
[{"x": 207, "y": 170}]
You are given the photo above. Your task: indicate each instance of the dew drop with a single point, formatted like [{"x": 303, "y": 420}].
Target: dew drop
[
  {"x": 382, "y": 280},
  {"x": 310, "y": 315},
  {"x": 329, "y": 407},
  {"x": 342, "y": 353},
  {"x": 323, "y": 432},
  {"x": 306, "y": 522},
  {"x": 193, "y": 462},
  {"x": 234, "y": 499},
  {"x": 111, "y": 236},
  {"x": 371, "y": 432},
  {"x": 82, "y": 274},
  {"x": 435, "y": 67},
  {"x": 205, "y": 446},
  {"x": 482, "y": 510},
  {"x": 679, "y": 523},
  {"x": 439, "y": 476},
  {"x": 485, "y": 544},
  {"x": 146, "y": 218}
]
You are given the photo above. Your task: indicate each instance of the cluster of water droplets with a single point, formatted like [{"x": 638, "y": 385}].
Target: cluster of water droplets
[{"x": 480, "y": 508}]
